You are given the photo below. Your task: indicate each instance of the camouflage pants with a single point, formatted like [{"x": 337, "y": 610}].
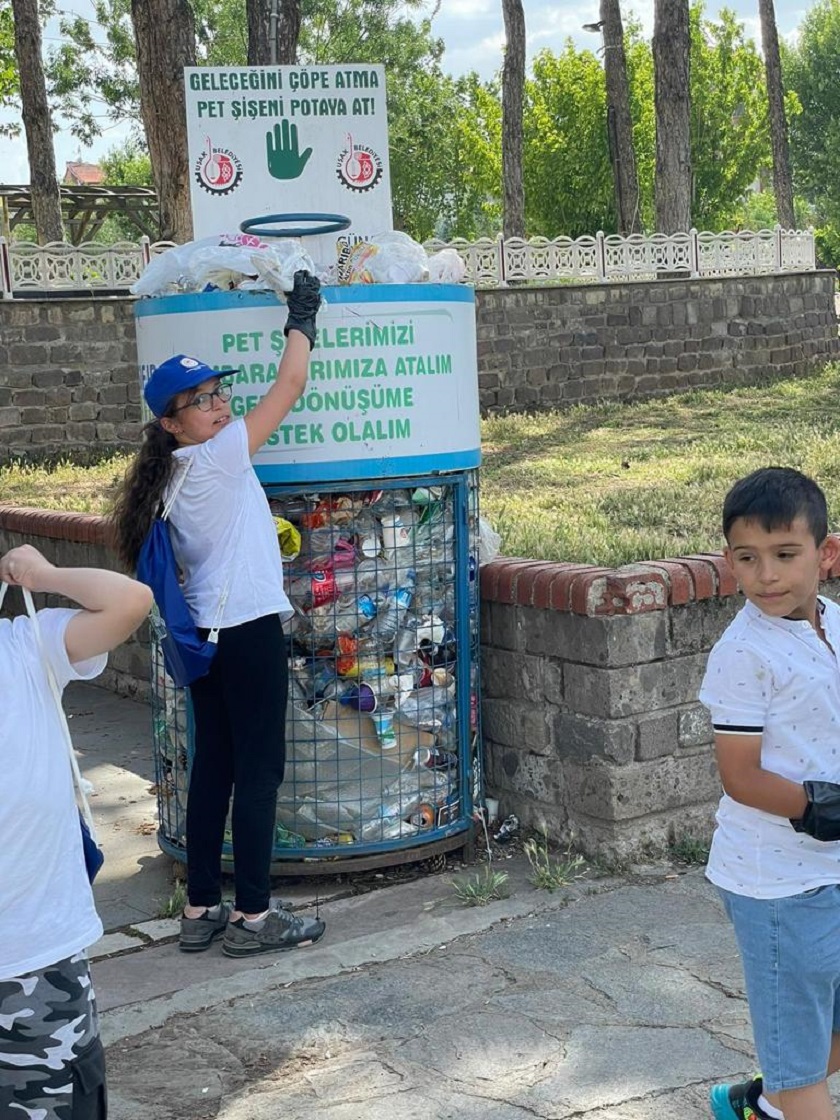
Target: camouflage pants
[{"x": 52, "y": 1066}]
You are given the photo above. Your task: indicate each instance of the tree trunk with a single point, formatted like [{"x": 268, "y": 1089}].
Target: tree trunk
[
  {"x": 782, "y": 179},
  {"x": 164, "y": 33},
  {"x": 37, "y": 121},
  {"x": 671, "y": 48},
  {"x": 619, "y": 121},
  {"x": 513, "y": 90},
  {"x": 273, "y": 46}
]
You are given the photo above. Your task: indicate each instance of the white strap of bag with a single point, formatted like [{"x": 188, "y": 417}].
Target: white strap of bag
[
  {"x": 78, "y": 781},
  {"x": 180, "y": 479}
]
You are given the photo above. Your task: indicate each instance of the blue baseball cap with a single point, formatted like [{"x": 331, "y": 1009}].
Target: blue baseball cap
[{"x": 174, "y": 376}]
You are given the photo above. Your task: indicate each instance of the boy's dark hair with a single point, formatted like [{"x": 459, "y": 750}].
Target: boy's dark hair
[{"x": 775, "y": 497}]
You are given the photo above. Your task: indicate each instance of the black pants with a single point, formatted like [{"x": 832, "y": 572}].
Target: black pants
[{"x": 240, "y": 746}]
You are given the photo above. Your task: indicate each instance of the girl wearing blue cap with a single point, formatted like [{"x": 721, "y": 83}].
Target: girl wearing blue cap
[{"x": 198, "y": 456}]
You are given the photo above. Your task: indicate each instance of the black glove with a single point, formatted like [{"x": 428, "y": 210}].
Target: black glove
[
  {"x": 303, "y": 302},
  {"x": 821, "y": 818}
]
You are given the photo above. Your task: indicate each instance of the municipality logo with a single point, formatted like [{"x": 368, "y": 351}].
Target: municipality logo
[
  {"x": 359, "y": 167},
  {"x": 218, "y": 170}
]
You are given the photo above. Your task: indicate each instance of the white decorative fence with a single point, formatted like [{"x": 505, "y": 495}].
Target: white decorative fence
[{"x": 490, "y": 262}]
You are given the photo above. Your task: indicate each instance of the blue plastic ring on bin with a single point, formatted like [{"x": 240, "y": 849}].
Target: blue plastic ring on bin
[{"x": 330, "y": 223}]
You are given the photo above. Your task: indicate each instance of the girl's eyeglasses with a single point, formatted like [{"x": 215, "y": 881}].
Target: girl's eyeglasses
[{"x": 204, "y": 401}]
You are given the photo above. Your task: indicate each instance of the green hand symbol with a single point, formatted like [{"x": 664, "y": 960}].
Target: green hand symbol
[{"x": 284, "y": 158}]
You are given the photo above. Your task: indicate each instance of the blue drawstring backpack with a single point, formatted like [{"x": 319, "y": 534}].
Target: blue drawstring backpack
[{"x": 186, "y": 655}]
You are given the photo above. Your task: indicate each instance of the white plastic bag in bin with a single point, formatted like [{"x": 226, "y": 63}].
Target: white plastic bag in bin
[
  {"x": 192, "y": 266},
  {"x": 388, "y": 258},
  {"x": 446, "y": 267}
]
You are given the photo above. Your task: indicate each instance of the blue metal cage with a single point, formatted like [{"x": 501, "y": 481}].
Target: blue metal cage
[{"x": 382, "y": 736}]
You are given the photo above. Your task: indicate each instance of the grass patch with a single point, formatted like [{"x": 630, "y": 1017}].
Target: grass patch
[
  {"x": 611, "y": 484},
  {"x": 174, "y": 905},
  {"x": 81, "y": 483},
  {"x": 549, "y": 872},
  {"x": 690, "y": 850},
  {"x": 482, "y": 888},
  {"x": 604, "y": 484}
]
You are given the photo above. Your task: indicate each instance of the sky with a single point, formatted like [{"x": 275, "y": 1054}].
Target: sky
[{"x": 474, "y": 35}]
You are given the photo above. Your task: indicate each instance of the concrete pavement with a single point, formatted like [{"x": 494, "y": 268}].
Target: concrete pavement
[{"x": 616, "y": 997}]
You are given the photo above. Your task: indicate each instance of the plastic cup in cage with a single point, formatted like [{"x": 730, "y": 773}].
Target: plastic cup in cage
[
  {"x": 394, "y": 534},
  {"x": 369, "y": 546},
  {"x": 361, "y": 697},
  {"x": 383, "y": 722},
  {"x": 431, "y": 630}
]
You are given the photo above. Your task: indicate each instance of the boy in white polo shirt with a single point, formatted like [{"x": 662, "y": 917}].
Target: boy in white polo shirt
[{"x": 772, "y": 686}]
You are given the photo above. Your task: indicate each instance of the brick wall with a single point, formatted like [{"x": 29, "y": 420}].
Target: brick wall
[
  {"x": 590, "y": 719},
  {"x": 591, "y": 723},
  {"x": 68, "y": 375},
  {"x": 68, "y": 367}
]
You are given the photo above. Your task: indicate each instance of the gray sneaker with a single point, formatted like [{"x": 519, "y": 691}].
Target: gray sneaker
[
  {"x": 280, "y": 930},
  {"x": 200, "y": 933}
]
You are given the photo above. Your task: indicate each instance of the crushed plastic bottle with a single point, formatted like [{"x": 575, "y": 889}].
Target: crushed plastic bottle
[
  {"x": 389, "y": 620},
  {"x": 427, "y": 707}
]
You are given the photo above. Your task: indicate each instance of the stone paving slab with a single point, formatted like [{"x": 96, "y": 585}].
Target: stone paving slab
[{"x": 612, "y": 999}]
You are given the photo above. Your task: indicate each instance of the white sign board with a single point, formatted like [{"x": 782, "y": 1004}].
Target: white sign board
[
  {"x": 288, "y": 139},
  {"x": 393, "y": 380}
]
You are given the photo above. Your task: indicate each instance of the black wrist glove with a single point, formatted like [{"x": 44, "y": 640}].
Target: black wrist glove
[
  {"x": 821, "y": 818},
  {"x": 303, "y": 302}
]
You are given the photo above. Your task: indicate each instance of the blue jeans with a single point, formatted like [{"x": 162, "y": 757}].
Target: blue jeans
[
  {"x": 790, "y": 952},
  {"x": 240, "y": 748}
]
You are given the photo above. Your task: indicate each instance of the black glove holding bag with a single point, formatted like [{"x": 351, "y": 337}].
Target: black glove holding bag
[
  {"x": 303, "y": 302},
  {"x": 821, "y": 818}
]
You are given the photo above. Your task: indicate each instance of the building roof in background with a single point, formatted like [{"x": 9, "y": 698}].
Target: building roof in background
[{"x": 83, "y": 174}]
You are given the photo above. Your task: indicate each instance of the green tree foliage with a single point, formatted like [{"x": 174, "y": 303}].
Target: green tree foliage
[
  {"x": 92, "y": 74},
  {"x": 8, "y": 66},
  {"x": 568, "y": 180},
  {"x": 568, "y": 177},
  {"x": 811, "y": 69},
  {"x": 730, "y": 137},
  {"x": 441, "y": 172}
]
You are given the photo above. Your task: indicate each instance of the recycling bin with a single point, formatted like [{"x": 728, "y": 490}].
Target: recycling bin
[{"x": 372, "y": 480}]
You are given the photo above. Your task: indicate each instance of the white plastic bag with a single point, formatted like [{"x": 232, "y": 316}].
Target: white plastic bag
[
  {"x": 276, "y": 268},
  {"x": 225, "y": 260},
  {"x": 446, "y": 267},
  {"x": 489, "y": 542},
  {"x": 388, "y": 258}
]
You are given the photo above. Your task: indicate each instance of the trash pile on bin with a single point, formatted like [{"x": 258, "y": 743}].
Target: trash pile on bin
[
  {"x": 376, "y": 730},
  {"x": 243, "y": 261}
]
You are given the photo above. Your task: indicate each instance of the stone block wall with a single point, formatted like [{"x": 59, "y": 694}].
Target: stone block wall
[
  {"x": 548, "y": 346},
  {"x": 68, "y": 367},
  {"x": 590, "y": 720},
  {"x": 68, "y": 375}
]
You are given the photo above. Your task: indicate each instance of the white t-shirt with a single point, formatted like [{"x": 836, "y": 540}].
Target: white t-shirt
[
  {"x": 774, "y": 677},
  {"x": 223, "y": 533},
  {"x": 46, "y": 904}
]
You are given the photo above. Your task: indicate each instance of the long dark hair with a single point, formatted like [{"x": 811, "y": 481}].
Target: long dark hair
[{"x": 141, "y": 492}]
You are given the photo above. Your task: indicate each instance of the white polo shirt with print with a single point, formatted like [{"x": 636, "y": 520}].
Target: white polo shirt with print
[{"x": 776, "y": 678}]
